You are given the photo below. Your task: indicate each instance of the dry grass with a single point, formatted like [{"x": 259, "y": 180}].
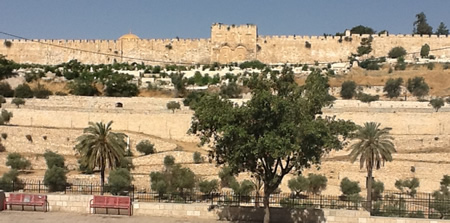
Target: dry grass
[
  {"x": 52, "y": 86},
  {"x": 437, "y": 78}
]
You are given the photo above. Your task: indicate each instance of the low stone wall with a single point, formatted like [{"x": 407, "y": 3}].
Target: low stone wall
[{"x": 80, "y": 204}]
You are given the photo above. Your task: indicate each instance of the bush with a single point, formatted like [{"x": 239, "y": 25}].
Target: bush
[
  {"x": 349, "y": 187},
  {"x": 41, "y": 92},
  {"x": 417, "y": 86},
  {"x": 243, "y": 189},
  {"x": 255, "y": 64},
  {"x": 392, "y": 87},
  {"x": 55, "y": 179},
  {"x": 437, "y": 103},
  {"x": 408, "y": 186},
  {"x": 370, "y": 64},
  {"x": 377, "y": 190},
  {"x": 208, "y": 187},
  {"x": 424, "y": 51},
  {"x": 119, "y": 181},
  {"x": 348, "y": 89},
  {"x": 192, "y": 98},
  {"x": 53, "y": 159},
  {"x": 367, "y": 98},
  {"x": 174, "y": 180},
  {"x": 6, "y": 90},
  {"x": 18, "y": 102},
  {"x": 16, "y": 161},
  {"x": 83, "y": 88},
  {"x": 11, "y": 182},
  {"x": 158, "y": 183},
  {"x": 23, "y": 91},
  {"x": 197, "y": 157},
  {"x": 317, "y": 183},
  {"x": 430, "y": 66},
  {"x": 4, "y": 135},
  {"x": 126, "y": 163},
  {"x": 226, "y": 176},
  {"x": 5, "y": 117},
  {"x": 172, "y": 105},
  {"x": 118, "y": 85},
  {"x": 169, "y": 161},
  {"x": 401, "y": 64},
  {"x": 84, "y": 167},
  {"x": 2, "y": 100},
  {"x": 145, "y": 147},
  {"x": 298, "y": 184},
  {"x": 230, "y": 90},
  {"x": 60, "y": 93},
  {"x": 397, "y": 52}
]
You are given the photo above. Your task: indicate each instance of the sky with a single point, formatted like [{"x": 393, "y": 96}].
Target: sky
[{"x": 151, "y": 19}]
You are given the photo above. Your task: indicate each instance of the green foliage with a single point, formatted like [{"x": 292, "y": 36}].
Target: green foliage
[
  {"x": 158, "y": 182},
  {"x": 392, "y": 87},
  {"x": 371, "y": 63},
  {"x": 243, "y": 188},
  {"x": 299, "y": 184},
  {"x": 317, "y": 183},
  {"x": 417, "y": 86},
  {"x": 55, "y": 179},
  {"x": 226, "y": 176},
  {"x": 397, "y": 52},
  {"x": 5, "y": 117},
  {"x": 101, "y": 148},
  {"x": 208, "y": 187},
  {"x": 425, "y": 50},
  {"x": 441, "y": 198},
  {"x": 442, "y": 29},
  {"x": 254, "y": 64},
  {"x": 367, "y": 98},
  {"x": 192, "y": 98},
  {"x": 430, "y": 66},
  {"x": 23, "y": 91},
  {"x": 156, "y": 69},
  {"x": 377, "y": 190},
  {"x": 6, "y": 90},
  {"x": 10, "y": 179},
  {"x": 17, "y": 161},
  {"x": 348, "y": 89},
  {"x": 169, "y": 161},
  {"x": 401, "y": 64},
  {"x": 421, "y": 26},
  {"x": 437, "y": 103},
  {"x": 145, "y": 147},
  {"x": 408, "y": 186},
  {"x": 179, "y": 83},
  {"x": 18, "y": 102},
  {"x": 278, "y": 124},
  {"x": 365, "y": 47},
  {"x": 6, "y": 68},
  {"x": 118, "y": 85},
  {"x": 197, "y": 157},
  {"x": 83, "y": 87},
  {"x": 172, "y": 105},
  {"x": 84, "y": 167},
  {"x": 41, "y": 92},
  {"x": 177, "y": 179},
  {"x": 53, "y": 159},
  {"x": 126, "y": 163},
  {"x": 119, "y": 181},
  {"x": 349, "y": 187},
  {"x": 362, "y": 30},
  {"x": 230, "y": 90}
]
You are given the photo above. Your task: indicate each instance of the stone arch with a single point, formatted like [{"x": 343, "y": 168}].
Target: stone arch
[
  {"x": 225, "y": 55},
  {"x": 241, "y": 53}
]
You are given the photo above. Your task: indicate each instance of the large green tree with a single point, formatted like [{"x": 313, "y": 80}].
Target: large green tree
[
  {"x": 101, "y": 148},
  {"x": 442, "y": 29},
  {"x": 278, "y": 131},
  {"x": 421, "y": 25},
  {"x": 373, "y": 147}
]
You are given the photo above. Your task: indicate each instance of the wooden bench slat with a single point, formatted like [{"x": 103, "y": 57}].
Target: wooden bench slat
[
  {"x": 116, "y": 202},
  {"x": 27, "y": 200}
]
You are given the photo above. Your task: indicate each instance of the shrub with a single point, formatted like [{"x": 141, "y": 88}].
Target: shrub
[
  {"x": 18, "y": 102},
  {"x": 172, "y": 105},
  {"x": 169, "y": 161},
  {"x": 408, "y": 186},
  {"x": 53, "y": 159},
  {"x": 230, "y": 90},
  {"x": 23, "y": 91},
  {"x": 83, "y": 88},
  {"x": 392, "y": 87},
  {"x": 430, "y": 66},
  {"x": 397, "y": 52},
  {"x": 17, "y": 161},
  {"x": 298, "y": 184},
  {"x": 370, "y": 64},
  {"x": 60, "y": 93},
  {"x": 2, "y": 100},
  {"x": 417, "y": 86},
  {"x": 29, "y": 138},
  {"x": 377, "y": 190},
  {"x": 4, "y": 135},
  {"x": 208, "y": 187},
  {"x": 349, "y": 187},
  {"x": 197, "y": 157},
  {"x": 192, "y": 98},
  {"x": 437, "y": 103},
  {"x": 348, "y": 89},
  {"x": 158, "y": 183},
  {"x": 55, "y": 179},
  {"x": 145, "y": 147},
  {"x": 119, "y": 181},
  {"x": 367, "y": 98},
  {"x": 317, "y": 183},
  {"x": 118, "y": 85},
  {"x": 11, "y": 182},
  {"x": 84, "y": 167},
  {"x": 226, "y": 176},
  {"x": 5, "y": 117},
  {"x": 255, "y": 64},
  {"x": 401, "y": 64},
  {"x": 126, "y": 163},
  {"x": 6, "y": 90},
  {"x": 41, "y": 92},
  {"x": 174, "y": 180},
  {"x": 425, "y": 50},
  {"x": 243, "y": 188}
]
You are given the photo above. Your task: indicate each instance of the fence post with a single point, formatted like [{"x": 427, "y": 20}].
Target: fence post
[
  {"x": 91, "y": 188},
  {"x": 400, "y": 205},
  {"x": 13, "y": 188},
  {"x": 429, "y": 205},
  {"x": 39, "y": 186}
]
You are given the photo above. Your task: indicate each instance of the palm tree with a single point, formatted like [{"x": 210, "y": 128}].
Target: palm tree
[
  {"x": 101, "y": 148},
  {"x": 373, "y": 148}
]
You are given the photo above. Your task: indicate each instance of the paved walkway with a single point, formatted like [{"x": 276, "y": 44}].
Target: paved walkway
[{"x": 63, "y": 217}]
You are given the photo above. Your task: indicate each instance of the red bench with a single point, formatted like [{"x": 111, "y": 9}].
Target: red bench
[
  {"x": 115, "y": 202},
  {"x": 27, "y": 200}
]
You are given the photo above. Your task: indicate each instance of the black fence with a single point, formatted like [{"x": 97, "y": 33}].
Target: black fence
[{"x": 389, "y": 204}]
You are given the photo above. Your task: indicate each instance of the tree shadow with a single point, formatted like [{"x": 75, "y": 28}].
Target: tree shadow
[{"x": 252, "y": 214}]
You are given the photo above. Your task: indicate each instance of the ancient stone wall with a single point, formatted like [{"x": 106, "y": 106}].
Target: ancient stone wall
[{"x": 228, "y": 43}]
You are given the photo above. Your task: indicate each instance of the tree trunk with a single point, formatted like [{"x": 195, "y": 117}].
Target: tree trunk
[
  {"x": 266, "y": 206},
  {"x": 102, "y": 180},
  {"x": 369, "y": 189},
  {"x": 257, "y": 199}
]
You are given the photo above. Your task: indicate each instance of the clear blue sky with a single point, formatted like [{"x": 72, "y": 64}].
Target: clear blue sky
[{"x": 109, "y": 19}]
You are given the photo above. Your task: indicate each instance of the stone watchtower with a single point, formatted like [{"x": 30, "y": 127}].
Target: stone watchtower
[{"x": 230, "y": 43}]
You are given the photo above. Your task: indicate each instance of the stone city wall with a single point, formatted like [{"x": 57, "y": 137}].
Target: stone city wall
[{"x": 228, "y": 43}]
